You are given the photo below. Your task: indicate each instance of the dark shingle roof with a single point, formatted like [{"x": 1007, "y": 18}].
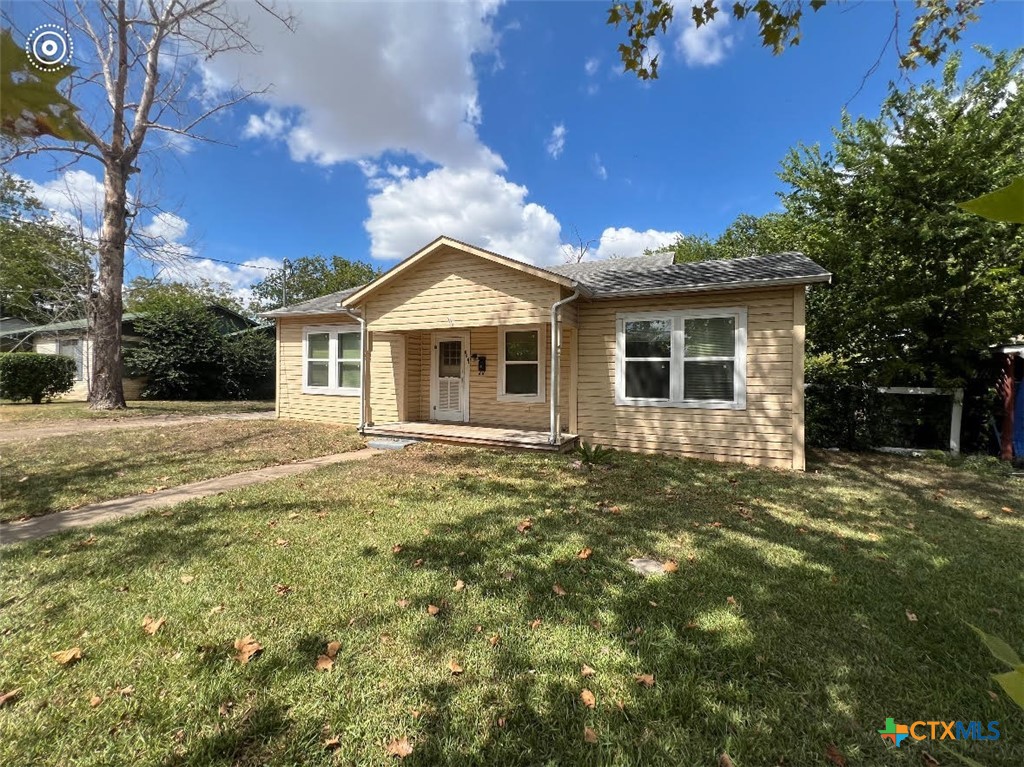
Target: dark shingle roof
[
  {"x": 54, "y": 327},
  {"x": 583, "y": 269},
  {"x": 643, "y": 279},
  {"x": 328, "y": 304}
]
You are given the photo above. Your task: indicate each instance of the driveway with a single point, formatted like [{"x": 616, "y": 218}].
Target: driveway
[{"x": 20, "y": 432}]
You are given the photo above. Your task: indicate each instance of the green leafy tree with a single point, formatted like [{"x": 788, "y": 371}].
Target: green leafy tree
[
  {"x": 310, "y": 277},
  {"x": 936, "y": 24},
  {"x": 921, "y": 287},
  {"x": 147, "y": 294},
  {"x": 748, "y": 235},
  {"x": 45, "y": 269}
]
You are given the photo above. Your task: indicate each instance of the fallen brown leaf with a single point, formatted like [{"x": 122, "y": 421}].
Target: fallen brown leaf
[
  {"x": 614, "y": 509},
  {"x": 95, "y": 700},
  {"x": 559, "y": 590},
  {"x": 332, "y": 649},
  {"x": 647, "y": 680},
  {"x": 731, "y": 601},
  {"x": 1006, "y": 510},
  {"x": 324, "y": 663},
  {"x": 993, "y": 695},
  {"x": 588, "y": 698},
  {"x": 455, "y": 668},
  {"x": 928, "y": 760},
  {"x": 248, "y": 648},
  {"x": 459, "y": 586},
  {"x": 187, "y": 579},
  {"x": 585, "y": 553},
  {"x": 396, "y": 549},
  {"x": 23, "y": 479},
  {"x": 282, "y": 542},
  {"x": 218, "y": 609},
  {"x": 589, "y": 735},
  {"x": 587, "y": 671},
  {"x": 671, "y": 566},
  {"x": 535, "y": 623},
  {"x": 152, "y": 625},
  {"x": 911, "y": 617},
  {"x": 418, "y": 563},
  {"x": 525, "y": 525},
  {"x": 724, "y": 760},
  {"x": 68, "y": 657},
  {"x": 403, "y": 603},
  {"x": 126, "y": 691},
  {"x": 494, "y": 640},
  {"x": 433, "y": 609},
  {"x": 834, "y": 755},
  {"x": 283, "y": 589},
  {"x": 399, "y": 747},
  {"x": 332, "y": 743},
  {"x": 10, "y": 696}
]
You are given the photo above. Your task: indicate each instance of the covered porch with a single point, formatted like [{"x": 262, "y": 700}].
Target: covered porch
[{"x": 466, "y": 434}]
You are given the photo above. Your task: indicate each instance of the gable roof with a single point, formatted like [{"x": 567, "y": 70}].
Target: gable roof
[
  {"x": 444, "y": 241},
  {"x": 329, "y": 304},
  {"x": 650, "y": 275},
  {"x": 82, "y": 323}
]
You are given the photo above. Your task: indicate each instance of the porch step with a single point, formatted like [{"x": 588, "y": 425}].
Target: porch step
[{"x": 385, "y": 443}]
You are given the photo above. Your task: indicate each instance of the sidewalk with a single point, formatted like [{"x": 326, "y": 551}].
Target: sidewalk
[
  {"x": 106, "y": 511},
  {"x": 20, "y": 432}
]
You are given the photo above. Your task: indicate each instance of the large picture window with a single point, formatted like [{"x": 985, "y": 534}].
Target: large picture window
[
  {"x": 331, "y": 360},
  {"x": 521, "y": 367},
  {"x": 683, "y": 359}
]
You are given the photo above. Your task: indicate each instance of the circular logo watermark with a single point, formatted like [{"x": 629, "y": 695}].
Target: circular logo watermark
[{"x": 49, "y": 47}]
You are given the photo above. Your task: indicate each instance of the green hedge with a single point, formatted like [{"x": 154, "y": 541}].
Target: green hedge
[{"x": 35, "y": 377}]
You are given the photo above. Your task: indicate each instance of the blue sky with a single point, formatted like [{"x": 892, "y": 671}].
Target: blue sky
[{"x": 506, "y": 124}]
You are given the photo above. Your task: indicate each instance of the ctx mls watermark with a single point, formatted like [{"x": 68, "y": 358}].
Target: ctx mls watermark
[{"x": 49, "y": 47}]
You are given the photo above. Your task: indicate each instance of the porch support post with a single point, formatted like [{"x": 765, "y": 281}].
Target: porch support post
[
  {"x": 363, "y": 336},
  {"x": 556, "y": 431}
]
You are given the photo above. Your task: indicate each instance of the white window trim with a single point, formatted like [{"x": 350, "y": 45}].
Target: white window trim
[
  {"x": 678, "y": 317},
  {"x": 537, "y": 398},
  {"x": 332, "y": 360}
]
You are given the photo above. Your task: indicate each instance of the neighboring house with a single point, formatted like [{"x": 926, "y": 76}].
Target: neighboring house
[
  {"x": 71, "y": 339},
  {"x": 459, "y": 344},
  {"x": 9, "y": 328}
]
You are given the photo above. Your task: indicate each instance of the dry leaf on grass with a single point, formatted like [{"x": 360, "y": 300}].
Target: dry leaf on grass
[
  {"x": 283, "y": 589},
  {"x": 912, "y": 617},
  {"x": 248, "y": 648},
  {"x": 535, "y": 623},
  {"x": 587, "y": 671},
  {"x": 95, "y": 700},
  {"x": 282, "y": 542},
  {"x": 671, "y": 566},
  {"x": 403, "y": 603},
  {"x": 333, "y": 648},
  {"x": 585, "y": 553},
  {"x": 399, "y": 747},
  {"x": 152, "y": 625},
  {"x": 647, "y": 680},
  {"x": 68, "y": 657},
  {"x": 459, "y": 586},
  {"x": 588, "y": 698},
  {"x": 396, "y": 549},
  {"x": 455, "y": 668},
  {"x": 187, "y": 579},
  {"x": 324, "y": 663},
  {"x": 494, "y": 640},
  {"x": 724, "y": 760},
  {"x": 589, "y": 735},
  {"x": 559, "y": 590},
  {"x": 126, "y": 691},
  {"x": 218, "y": 609},
  {"x": 928, "y": 760},
  {"x": 834, "y": 755},
  {"x": 731, "y": 601},
  {"x": 433, "y": 610},
  {"x": 332, "y": 743},
  {"x": 418, "y": 563},
  {"x": 10, "y": 697},
  {"x": 1006, "y": 510},
  {"x": 526, "y": 524}
]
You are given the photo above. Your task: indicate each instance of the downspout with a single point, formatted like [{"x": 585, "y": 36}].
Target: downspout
[
  {"x": 555, "y": 437},
  {"x": 362, "y": 363}
]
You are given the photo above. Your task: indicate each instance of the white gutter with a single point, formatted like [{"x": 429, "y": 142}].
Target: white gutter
[
  {"x": 556, "y": 432},
  {"x": 362, "y": 363}
]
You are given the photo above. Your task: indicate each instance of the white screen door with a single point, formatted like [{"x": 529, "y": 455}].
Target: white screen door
[{"x": 449, "y": 379}]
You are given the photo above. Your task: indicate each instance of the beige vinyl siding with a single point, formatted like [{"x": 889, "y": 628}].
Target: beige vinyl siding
[
  {"x": 387, "y": 372},
  {"x": 452, "y": 289},
  {"x": 292, "y": 403},
  {"x": 761, "y": 434}
]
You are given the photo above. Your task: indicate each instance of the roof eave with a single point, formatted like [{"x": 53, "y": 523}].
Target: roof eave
[{"x": 704, "y": 288}]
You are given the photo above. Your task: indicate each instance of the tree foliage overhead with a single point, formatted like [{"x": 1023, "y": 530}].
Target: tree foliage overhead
[
  {"x": 921, "y": 287},
  {"x": 310, "y": 277},
  {"x": 45, "y": 269},
  {"x": 935, "y": 25},
  {"x": 148, "y": 294},
  {"x": 746, "y": 236}
]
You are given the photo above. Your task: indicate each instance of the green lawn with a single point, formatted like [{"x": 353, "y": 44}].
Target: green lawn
[
  {"x": 55, "y": 473},
  {"x": 786, "y": 630},
  {"x": 24, "y": 412}
]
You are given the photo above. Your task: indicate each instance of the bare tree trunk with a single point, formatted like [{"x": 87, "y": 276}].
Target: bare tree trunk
[{"x": 107, "y": 391}]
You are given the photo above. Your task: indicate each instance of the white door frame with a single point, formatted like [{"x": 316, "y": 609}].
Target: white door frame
[{"x": 435, "y": 339}]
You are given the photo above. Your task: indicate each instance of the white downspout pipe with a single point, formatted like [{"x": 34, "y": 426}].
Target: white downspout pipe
[
  {"x": 362, "y": 363},
  {"x": 555, "y": 437}
]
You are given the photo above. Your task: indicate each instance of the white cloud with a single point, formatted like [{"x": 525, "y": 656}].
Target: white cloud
[
  {"x": 474, "y": 205},
  {"x": 71, "y": 192},
  {"x": 707, "y": 45},
  {"x": 598, "y": 167},
  {"x": 555, "y": 144},
  {"x": 626, "y": 242},
  {"x": 237, "y": 278},
  {"x": 591, "y": 65},
  {"x": 356, "y": 80}
]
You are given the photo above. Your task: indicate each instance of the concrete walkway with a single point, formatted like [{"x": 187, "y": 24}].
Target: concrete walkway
[
  {"x": 22, "y": 432},
  {"x": 39, "y": 527}
]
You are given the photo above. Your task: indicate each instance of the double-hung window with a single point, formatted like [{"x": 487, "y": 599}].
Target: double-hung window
[
  {"x": 331, "y": 360},
  {"x": 692, "y": 358},
  {"x": 521, "y": 367},
  {"x": 72, "y": 348}
]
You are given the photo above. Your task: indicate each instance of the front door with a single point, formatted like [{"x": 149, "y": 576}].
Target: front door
[{"x": 450, "y": 398}]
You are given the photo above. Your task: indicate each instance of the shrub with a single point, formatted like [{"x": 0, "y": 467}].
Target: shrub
[
  {"x": 838, "y": 404},
  {"x": 180, "y": 353},
  {"x": 249, "y": 362},
  {"x": 33, "y": 376}
]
